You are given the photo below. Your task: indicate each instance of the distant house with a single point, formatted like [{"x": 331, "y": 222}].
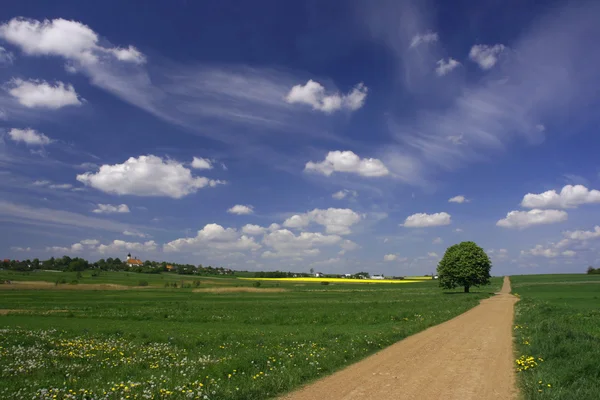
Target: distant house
[
  {"x": 319, "y": 274},
  {"x": 377, "y": 277},
  {"x": 347, "y": 275},
  {"x": 134, "y": 262},
  {"x": 171, "y": 268}
]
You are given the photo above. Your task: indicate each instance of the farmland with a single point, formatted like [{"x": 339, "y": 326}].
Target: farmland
[
  {"x": 215, "y": 341},
  {"x": 557, "y": 332}
]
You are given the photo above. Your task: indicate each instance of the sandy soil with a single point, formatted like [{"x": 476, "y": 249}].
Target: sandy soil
[{"x": 468, "y": 357}]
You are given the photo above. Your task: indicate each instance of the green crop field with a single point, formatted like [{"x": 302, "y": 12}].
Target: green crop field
[
  {"x": 212, "y": 342},
  {"x": 557, "y": 332}
]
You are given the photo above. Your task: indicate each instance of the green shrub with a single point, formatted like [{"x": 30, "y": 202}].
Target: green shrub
[
  {"x": 256, "y": 284},
  {"x": 143, "y": 283},
  {"x": 325, "y": 283}
]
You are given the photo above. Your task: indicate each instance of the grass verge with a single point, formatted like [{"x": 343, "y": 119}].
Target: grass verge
[{"x": 557, "y": 336}]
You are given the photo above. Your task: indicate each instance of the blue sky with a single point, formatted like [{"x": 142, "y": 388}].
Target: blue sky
[{"x": 336, "y": 135}]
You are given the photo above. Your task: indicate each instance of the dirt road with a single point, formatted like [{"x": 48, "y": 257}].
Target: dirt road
[{"x": 468, "y": 357}]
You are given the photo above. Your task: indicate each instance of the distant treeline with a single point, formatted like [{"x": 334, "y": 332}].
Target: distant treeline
[
  {"x": 69, "y": 264},
  {"x": 592, "y": 270}
]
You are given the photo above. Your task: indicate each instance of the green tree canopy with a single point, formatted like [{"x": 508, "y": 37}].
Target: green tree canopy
[{"x": 464, "y": 264}]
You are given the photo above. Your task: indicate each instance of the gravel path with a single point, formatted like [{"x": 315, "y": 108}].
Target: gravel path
[{"x": 468, "y": 357}]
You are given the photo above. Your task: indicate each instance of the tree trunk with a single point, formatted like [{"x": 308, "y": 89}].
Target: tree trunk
[{"x": 466, "y": 289}]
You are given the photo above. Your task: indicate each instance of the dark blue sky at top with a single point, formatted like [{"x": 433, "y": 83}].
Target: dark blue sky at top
[{"x": 339, "y": 44}]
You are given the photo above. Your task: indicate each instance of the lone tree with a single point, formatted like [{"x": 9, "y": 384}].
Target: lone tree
[{"x": 464, "y": 264}]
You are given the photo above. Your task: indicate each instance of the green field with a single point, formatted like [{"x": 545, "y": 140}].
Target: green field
[
  {"x": 557, "y": 323},
  {"x": 179, "y": 343}
]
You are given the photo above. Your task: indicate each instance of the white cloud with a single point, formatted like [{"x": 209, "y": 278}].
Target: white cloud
[
  {"x": 444, "y": 67},
  {"x": 134, "y": 233},
  {"x": 41, "y": 183},
  {"x": 313, "y": 94},
  {"x": 119, "y": 247},
  {"x": 568, "y": 253},
  {"x": 583, "y": 235},
  {"x": 110, "y": 209},
  {"x": 146, "y": 176},
  {"x": 569, "y": 197},
  {"x": 21, "y": 249},
  {"x": 540, "y": 251},
  {"x": 458, "y": 230},
  {"x": 342, "y": 194},
  {"x": 347, "y": 161},
  {"x": 486, "y": 56},
  {"x": 429, "y": 37},
  {"x": 41, "y": 94},
  {"x": 29, "y": 137},
  {"x": 335, "y": 220},
  {"x": 214, "y": 237},
  {"x": 61, "y": 186},
  {"x": 6, "y": 57},
  {"x": 458, "y": 199},
  {"x": 254, "y": 230},
  {"x": 390, "y": 257},
  {"x": 422, "y": 220},
  {"x": 53, "y": 217},
  {"x": 432, "y": 254},
  {"x": 240, "y": 209},
  {"x": 349, "y": 245},
  {"x": 500, "y": 254},
  {"x": 437, "y": 240},
  {"x": 59, "y": 37},
  {"x": 286, "y": 244},
  {"x": 524, "y": 219},
  {"x": 201, "y": 163}
]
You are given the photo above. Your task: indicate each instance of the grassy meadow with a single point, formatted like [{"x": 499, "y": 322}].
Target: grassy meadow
[
  {"x": 557, "y": 332},
  {"x": 223, "y": 340}
]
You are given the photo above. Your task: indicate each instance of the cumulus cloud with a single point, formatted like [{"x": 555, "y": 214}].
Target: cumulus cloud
[
  {"x": 446, "y": 66},
  {"x": 201, "y": 163},
  {"x": 214, "y": 237},
  {"x": 486, "y": 56},
  {"x": 428, "y": 37},
  {"x": 313, "y": 93},
  {"x": 347, "y": 161},
  {"x": 437, "y": 240},
  {"x": 20, "y": 249},
  {"x": 548, "y": 252},
  {"x": 569, "y": 197},
  {"x": 118, "y": 247},
  {"x": 458, "y": 199},
  {"x": 253, "y": 230},
  {"x": 59, "y": 37},
  {"x": 287, "y": 244},
  {"x": 390, "y": 257},
  {"x": 583, "y": 235},
  {"x": 525, "y": 219},
  {"x": 335, "y": 220},
  {"x": 432, "y": 254},
  {"x": 111, "y": 209},
  {"x": 422, "y": 220},
  {"x": 240, "y": 209},
  {"x": 342, "y": 194},
  {"x": 41, "y": 94},
  {"x": 146, "y": 176},
  {"x": 29, "y": 137}
]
